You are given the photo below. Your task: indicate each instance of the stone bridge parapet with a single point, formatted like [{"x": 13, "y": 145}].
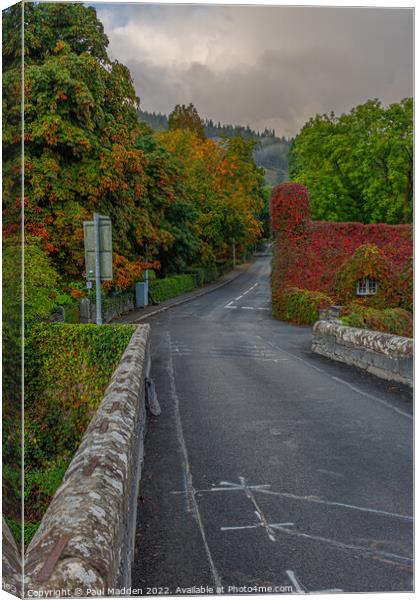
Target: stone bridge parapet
[
  {"x": 86, "y": 537},
  {"x": 385, "y": 355}
]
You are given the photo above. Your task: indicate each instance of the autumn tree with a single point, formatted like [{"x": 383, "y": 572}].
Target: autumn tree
[
  {"x": 175, "y": 199},
  {"x": 358, "y": 166},
  {"x": 221, "y": 190},
  {"x": 186, "y": 117},
  {"x": 81, "y": 128}
]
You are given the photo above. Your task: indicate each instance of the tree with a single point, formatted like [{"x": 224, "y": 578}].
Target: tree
[
  {"x": 358, "y": 166},
  {"x": 221, "y": 191},
  {"x": 81, "y": 129},
  {"x": 175, "y": 198},
  {"x": 186, "y": 117}
]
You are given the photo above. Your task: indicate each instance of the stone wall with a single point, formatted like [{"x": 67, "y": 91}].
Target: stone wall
[
  {"x": 386, "y": 356},
  {"x": 85, "y": 540},
  {"x": 11, "y": 563}
]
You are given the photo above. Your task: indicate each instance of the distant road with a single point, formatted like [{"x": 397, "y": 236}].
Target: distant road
[{"x": 269, "y": 466}]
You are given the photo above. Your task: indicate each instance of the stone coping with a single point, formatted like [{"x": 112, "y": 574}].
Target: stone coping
[
  {"x": 386, "y": 343},
  {"x": 385, "y": 355}
]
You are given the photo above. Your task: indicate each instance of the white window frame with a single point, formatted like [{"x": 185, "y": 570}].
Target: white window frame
[{"x": 367, "y": 286}]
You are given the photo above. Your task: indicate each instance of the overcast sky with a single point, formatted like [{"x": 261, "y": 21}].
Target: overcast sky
[{"x": 263, "y": 66}]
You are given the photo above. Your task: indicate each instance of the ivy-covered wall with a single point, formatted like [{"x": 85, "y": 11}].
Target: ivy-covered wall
[{"x": 330, "y": 257}]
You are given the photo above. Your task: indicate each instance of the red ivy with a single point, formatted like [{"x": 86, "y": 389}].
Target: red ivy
[{"x": 309, "y": 253}]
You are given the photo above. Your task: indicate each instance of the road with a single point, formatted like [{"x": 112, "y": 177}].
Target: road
[{"x": 269, "y": 466}]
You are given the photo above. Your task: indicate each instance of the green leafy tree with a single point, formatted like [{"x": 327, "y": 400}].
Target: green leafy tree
[
  {"x": 358, "y": 166},
  {"x": 186, "y": 117},
  {"x": 81, "y": 128}
]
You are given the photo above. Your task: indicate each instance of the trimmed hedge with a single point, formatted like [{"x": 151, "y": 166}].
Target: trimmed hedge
[
  {"x": 397, "y": 321},
  {"x": 67, "y": 369},
  {"x": 169, "y": 287},
  {"x": 204, "y": 275},
  {"x": 174, "y": 285},
  {"x": 300, "y": 306}
]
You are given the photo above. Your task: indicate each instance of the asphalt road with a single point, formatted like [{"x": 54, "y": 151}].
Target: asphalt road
[{"x": 270, "y": 468}]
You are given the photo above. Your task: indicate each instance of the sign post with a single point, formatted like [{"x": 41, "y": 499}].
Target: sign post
[
  {"x": 97, "y": 271},
  {"x": 98, "y": 255}
]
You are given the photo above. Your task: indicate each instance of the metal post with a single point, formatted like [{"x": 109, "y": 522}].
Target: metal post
[
  {"x": 97, "y": 271},
  {"x": 234, "y": 253}
]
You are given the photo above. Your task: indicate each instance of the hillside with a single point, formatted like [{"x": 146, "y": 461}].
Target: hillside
[{"x": 271, "y": 153}]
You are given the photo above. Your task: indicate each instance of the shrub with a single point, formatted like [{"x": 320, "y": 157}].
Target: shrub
[
  {"x": 169, "y": 287},
  {"x": 397, "y": 321},
  {"x": 67, "y": 369},
  {"x": 289, "y": 207},
  {"x": 204, "y": 275},
  {"x": 39, "y": 296},
  {"x": 300, "y": 306},
  {"x": 41, "y": 282}
]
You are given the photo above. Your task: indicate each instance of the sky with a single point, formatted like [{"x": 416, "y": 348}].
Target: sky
[{"x": 262, "y": 66}]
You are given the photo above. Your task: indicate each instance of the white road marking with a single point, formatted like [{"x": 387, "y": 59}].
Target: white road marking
[
  {"x": 383, "y": 513},
  {"x": 229, "y": 304},
  {"x": 363, "y": 549},
  {"x": 295, "y": 583},
  {"x": 355, "y": 389},
  {"x": 338, "y": 380},
  {"x": 271, "y": 528},
  {"x": 246, "y": 307},
  {"x": 233, "y": 488},
  {"x": 301, "y": 589},
  {"x": 258, "y": 510},
  {"x": 247, "y": 291},
  {"x": 190, "y": 496},
  {"x": 264, "y": 489},
  {"x": 256, "y": 526},
  {"x": 240, "y": 527}
]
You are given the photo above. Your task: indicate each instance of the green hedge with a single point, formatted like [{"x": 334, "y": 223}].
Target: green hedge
[
  {"x": 300, "y": 306},
  {"x": 204, "y": 275},
  {"x": 194, "y": 277},
  {"x": 169, "y": 287},
  {"x": 397, "y": 321},
  {"x": 67, "y": 369}
]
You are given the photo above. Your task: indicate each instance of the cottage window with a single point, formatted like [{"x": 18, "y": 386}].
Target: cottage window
[{"x": 366, "y": 287}]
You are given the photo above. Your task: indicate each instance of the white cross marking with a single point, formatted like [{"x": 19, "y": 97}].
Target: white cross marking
[{"x": 227, "y": 485}]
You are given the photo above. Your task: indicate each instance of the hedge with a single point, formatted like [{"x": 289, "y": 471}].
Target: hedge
[
  {"x": 300, "y": 306},
  {"x": 174, "y": 285},
  {"x": 169, "y": 287},
  {"x": 308, "y": 254},
  {"x": 67, "y": 369},
  {"x": 204, "y": 275},
  {"x": 397, "y": 321}
]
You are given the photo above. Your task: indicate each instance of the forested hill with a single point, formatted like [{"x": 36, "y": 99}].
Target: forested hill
[{"x": 271, "y": 152}]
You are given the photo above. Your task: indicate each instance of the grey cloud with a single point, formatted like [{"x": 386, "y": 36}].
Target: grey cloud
[{"x": 261, "y": 66}]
